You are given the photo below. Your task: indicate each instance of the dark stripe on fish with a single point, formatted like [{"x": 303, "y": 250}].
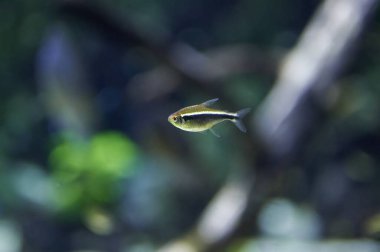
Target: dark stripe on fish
[{"x": 209, "y": 116}]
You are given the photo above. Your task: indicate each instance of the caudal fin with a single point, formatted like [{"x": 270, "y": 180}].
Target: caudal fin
[{"x": 238, "y": 122}]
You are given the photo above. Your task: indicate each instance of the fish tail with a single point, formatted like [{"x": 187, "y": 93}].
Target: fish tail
[{"x": 238, "y": 120}]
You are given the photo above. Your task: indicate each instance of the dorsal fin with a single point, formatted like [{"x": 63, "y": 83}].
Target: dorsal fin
[{"x": 209, "y": 102}]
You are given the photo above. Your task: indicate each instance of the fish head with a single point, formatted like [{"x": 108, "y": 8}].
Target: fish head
[{"x": 175, "y": 119}]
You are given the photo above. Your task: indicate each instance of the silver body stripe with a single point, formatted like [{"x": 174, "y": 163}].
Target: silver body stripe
[{"x": 209, "y": 113}]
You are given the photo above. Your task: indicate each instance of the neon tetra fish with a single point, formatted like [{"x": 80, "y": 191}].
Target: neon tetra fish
[{"x": 200, "y": 117}]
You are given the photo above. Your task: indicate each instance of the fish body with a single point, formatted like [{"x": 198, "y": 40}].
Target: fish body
[{"x": 201, "y": 117}]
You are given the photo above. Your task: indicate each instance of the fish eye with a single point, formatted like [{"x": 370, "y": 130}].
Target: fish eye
[{"x": 174, "y": 118}]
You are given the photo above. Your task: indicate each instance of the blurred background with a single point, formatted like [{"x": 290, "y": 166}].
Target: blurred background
[{"x": 88, "y": 161}]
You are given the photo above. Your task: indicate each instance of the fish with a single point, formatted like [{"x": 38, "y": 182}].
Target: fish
[{"x": 201, "y": 117}]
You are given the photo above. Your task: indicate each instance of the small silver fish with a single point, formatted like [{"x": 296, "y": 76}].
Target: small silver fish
[{"x": 200, "y": 117}]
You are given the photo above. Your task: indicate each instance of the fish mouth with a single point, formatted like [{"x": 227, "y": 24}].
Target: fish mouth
[{"x": 170, "y": 118}]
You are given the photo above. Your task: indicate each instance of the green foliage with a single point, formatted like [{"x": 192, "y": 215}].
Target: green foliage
[{"x": 86, "y": 172}]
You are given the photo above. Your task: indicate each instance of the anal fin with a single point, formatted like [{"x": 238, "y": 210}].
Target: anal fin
[{"x": 214, "y": 133}]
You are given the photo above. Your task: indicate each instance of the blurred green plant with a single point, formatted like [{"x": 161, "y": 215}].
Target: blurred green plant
[{"x": 86, "y": 172}]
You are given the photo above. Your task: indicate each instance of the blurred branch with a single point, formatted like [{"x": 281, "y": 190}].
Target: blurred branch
[
  {"x": 231, "y": 60},
  {"x": 308, "y": 71},
  {"x": 284, "y": 118},
  {"x": 186, "y": 62}
]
